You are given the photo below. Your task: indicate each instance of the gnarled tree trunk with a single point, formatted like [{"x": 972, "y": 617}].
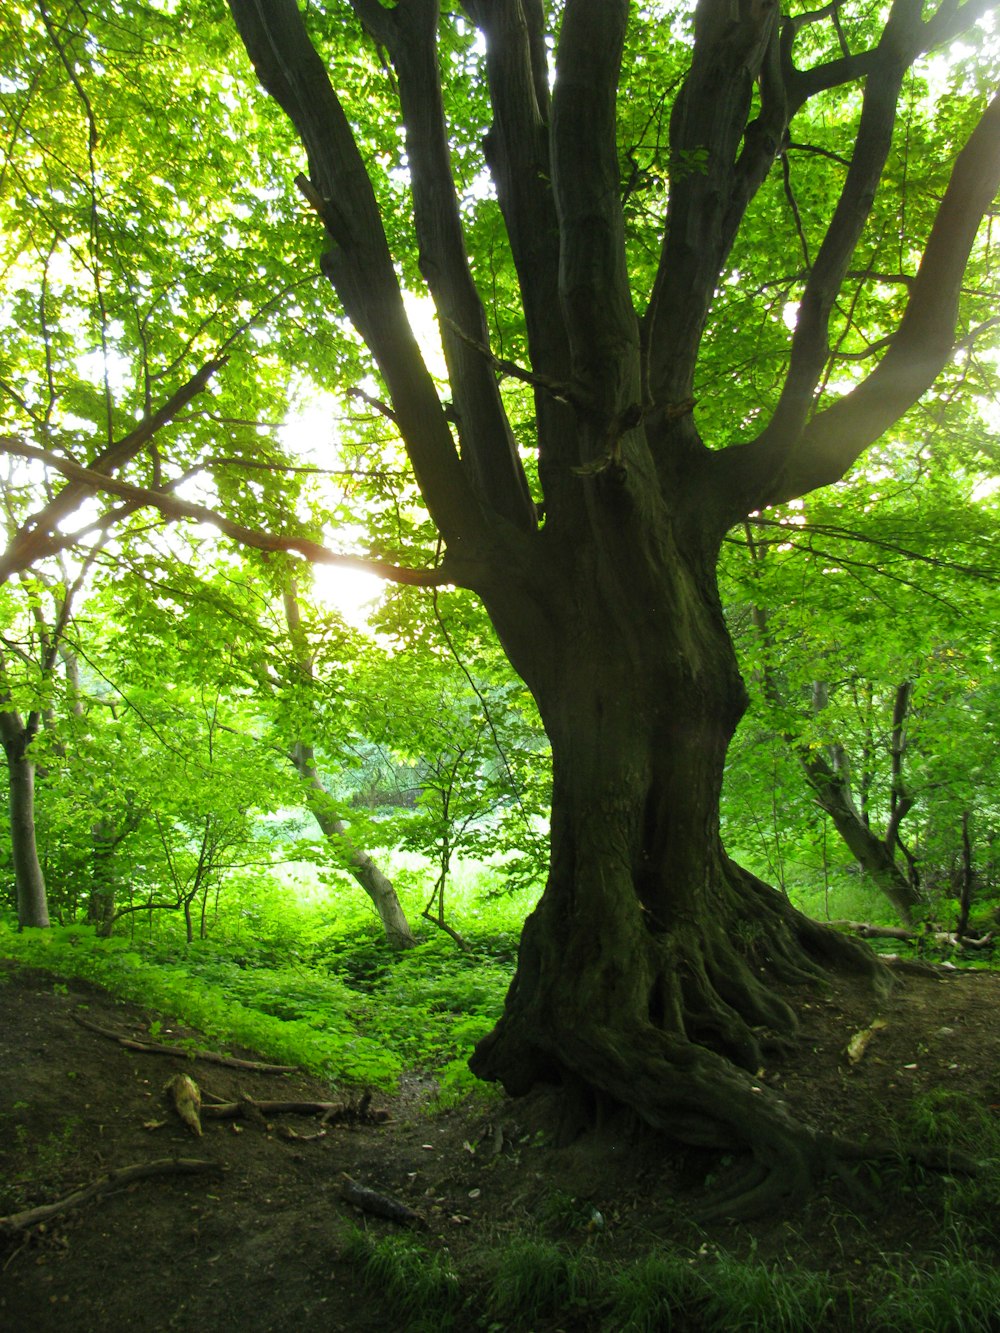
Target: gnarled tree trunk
[
  {"x": 654, "y": 968},
  {"x": 650, "y": 972}
]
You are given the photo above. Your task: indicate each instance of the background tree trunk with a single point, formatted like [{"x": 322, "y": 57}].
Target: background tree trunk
[
  {"x": 32, "y": 905},
  {"x": 377, "y": 885}
]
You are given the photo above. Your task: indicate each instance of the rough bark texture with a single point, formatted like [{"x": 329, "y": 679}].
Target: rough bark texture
[{"x": 653, "y": 971}]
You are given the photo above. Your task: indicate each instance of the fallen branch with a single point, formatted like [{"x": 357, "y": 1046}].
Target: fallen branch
[
  {"x": 869, "y": 932},
  {"x": 162, "y": 1048},
  {"x": 330, "y": 1113},
  {"x": 380, "y": 1205},
  {"x": 124, "y": 1175}
]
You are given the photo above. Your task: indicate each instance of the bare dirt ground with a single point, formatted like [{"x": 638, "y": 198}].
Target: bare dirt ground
[{"x": 258, "y": 1243}]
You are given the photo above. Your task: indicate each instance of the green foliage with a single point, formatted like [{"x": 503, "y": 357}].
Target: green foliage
[
  {"x": 288, "y": 1017},
  {"x": 309, "y": 983},
  {"x": 654, "y": 1293},
  {"x": 749, "y": 1295},
  {"x": 37, "y": 1160},
  {"x": 958, "y": 1294},
  {"x": 416, "y": 1283},
  {"x": 951, "y": 1119},
  {"x": 534, "y": 1279}
]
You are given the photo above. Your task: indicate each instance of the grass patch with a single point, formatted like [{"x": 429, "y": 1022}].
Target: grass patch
[
  {"x": 415, "y": 1283},
  {"x": 956, "y": 1294},
  {"x": 533, "y": 1279}
]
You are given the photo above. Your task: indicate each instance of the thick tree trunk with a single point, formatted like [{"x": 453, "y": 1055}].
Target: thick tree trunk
[
  {"x": 377, "y": 885},
  {"x": 32, "y": 905},
  {"x": 655, "y": 972}
]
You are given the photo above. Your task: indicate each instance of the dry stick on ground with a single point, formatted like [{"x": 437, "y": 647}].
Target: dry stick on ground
[
  {"x": 161, "y": 1048},
  {"x": 334, "y": 1113},
  {"x": 124, "y": 1175},
  {"x": 868, "y": 931}
]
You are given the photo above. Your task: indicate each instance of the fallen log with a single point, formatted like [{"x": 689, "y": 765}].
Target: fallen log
[
  {"x": 123, "y": 1175},
  {"x": 163, "y": 1048},
  {"x": 867, "y": 931},
  {"x": 379, "y": 1205}
]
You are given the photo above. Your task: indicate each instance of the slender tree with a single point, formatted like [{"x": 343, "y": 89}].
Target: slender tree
[{"x": 359, "y": 863}]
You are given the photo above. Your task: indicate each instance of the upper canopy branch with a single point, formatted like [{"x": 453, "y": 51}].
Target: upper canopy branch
[
  {"x": 949, "y": 20},
  {"x": 719, "y": 160},
  {"x": 487, "y": 442},
  {"x": 810, "y": 346},
  {"x": 359, "y": 264},
  {"x": 593, "y": 279},
  {"x": 773, "y": 468},
  {"x": 717, "y": 164},
  {"x": 518, "y": 154}
]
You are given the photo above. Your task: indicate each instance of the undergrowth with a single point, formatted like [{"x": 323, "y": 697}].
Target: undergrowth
[
  {"x": 425, "y": 1008},
  {"x": 531, "y": 1283}
]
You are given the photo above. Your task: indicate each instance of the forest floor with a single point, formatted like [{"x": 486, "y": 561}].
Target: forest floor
[{"x": 266, "y": 1240}]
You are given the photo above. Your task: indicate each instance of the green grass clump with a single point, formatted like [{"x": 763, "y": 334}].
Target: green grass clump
[
  {"x": 740, "y": 1295},
  {"x": 652, "y": 1294},
  {"x": 957, "y": 1294},
  {"x": 417, "y": 1285},
  {"x": 533, "y": 1279}
]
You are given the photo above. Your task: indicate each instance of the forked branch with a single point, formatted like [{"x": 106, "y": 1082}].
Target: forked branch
[{"x": 835, "y": 438}]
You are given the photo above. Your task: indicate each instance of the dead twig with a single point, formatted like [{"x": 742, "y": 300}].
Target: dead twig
[
  {"x": 330, "y": 1113},
  {"x": 124, "y": 1175},
  {"x": 162, "y": 1048}
]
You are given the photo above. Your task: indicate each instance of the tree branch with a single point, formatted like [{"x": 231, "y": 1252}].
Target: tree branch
[
  {"x": 518, "y": 154},
  {"x": 34, "y": 538},
  {"x": 593, "y": 277},
  {"x": 810, "y": 342},
  {"x": 949, "y": 21},
  {"x": 487, "y": 442},
  {"x": 835, "y": 438},
  {"x": 359, "y": 263},
  {"x": 173, "y": 508},
  {"x": 713, "y": 179}
]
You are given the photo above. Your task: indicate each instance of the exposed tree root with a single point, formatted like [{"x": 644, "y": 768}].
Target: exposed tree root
[{"x": 686, "y": 1058}]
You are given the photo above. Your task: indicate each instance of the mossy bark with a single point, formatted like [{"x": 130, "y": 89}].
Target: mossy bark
[{"x": 655, "y": 972}]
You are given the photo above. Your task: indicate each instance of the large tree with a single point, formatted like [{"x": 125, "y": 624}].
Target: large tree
[
  {"x": 736, "y": 150},
  {"x": 651, "y": 972}
]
